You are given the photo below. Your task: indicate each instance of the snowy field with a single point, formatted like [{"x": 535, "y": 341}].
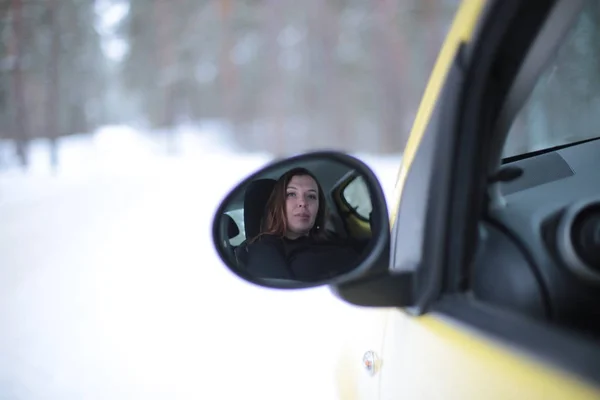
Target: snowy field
[{"x": 110, "y": 287}]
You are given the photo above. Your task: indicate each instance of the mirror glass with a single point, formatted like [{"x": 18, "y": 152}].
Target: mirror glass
[{"x": 297, "y": 223}]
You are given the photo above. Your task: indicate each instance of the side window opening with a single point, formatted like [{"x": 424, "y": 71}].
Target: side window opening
[
  {"x": 356, "y": 195},
  {"x": 565, "y": 103}
]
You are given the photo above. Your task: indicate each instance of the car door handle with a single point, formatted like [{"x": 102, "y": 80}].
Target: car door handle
[{"x": 371, "y": 362}]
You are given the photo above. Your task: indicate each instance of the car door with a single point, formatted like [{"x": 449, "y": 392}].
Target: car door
[
  {"x": 444, "y": 346},
  {"x": 358, "y": 362}
]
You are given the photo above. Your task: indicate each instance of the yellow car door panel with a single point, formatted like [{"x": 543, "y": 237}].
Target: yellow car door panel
[{"x": 442, "y": 358}]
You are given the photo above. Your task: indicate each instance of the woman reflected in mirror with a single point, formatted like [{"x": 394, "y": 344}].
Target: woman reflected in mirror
[{"x": 293, "y": 243}]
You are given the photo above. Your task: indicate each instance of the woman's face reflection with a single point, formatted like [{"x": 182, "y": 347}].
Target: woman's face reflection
[{"x": 302, "y": 205}]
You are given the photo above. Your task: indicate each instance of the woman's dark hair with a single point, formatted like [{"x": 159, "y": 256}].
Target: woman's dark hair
[{"x": 275, "y": 222}]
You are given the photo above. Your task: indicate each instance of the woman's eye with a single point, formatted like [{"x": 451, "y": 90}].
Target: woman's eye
[
  {"x": 290, "y": 194},
  {"x": 312, "y": 197}
]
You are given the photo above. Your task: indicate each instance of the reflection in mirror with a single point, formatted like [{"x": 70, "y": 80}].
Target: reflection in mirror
[{"x": 305, "y": 221}]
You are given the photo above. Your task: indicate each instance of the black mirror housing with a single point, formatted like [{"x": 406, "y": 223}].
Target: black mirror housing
[{"x": 334, "y": 170}]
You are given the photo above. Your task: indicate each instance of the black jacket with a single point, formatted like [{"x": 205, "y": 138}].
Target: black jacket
[{"x": 304, "y": 259}]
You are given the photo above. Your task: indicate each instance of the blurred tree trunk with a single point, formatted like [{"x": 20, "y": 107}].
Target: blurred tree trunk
[
  {"x": 273, "y": 91},
  {"x": 432, "y": 10},
  {"x": 335, "y": 92},
  {"x": 53, "y": 83},
  {"x": 228, "y": 71},
  {"x": 163, "y": 18},
  {"x": 390, "y": 74},
  {"x": 20, "y": 130},
  {"x": 313, "y": 84},
  {"x": 321, "y": 93}
]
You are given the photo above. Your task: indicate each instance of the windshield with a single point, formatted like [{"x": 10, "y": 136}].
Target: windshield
[{"x": 564, "y": 106}]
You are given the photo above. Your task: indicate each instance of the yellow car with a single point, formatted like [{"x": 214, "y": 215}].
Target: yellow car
[{"x": 484, "y": 275}]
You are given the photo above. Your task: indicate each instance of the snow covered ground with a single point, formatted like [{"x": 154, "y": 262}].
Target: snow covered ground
[{"x": 110, "y": 287}]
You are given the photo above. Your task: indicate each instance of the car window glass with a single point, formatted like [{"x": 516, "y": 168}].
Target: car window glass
[
  {"x": 356, "y": 194},
  {"x": 238, "y": 217},
  {"x": 564, "y": 106}
]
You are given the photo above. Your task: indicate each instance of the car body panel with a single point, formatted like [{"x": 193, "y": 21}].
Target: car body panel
[
  {"x": 364, "y": 332},
  {"x": 432, "y": 357}
]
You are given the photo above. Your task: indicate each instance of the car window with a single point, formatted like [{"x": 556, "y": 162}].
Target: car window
[
  {"x": 564, "y": 106},
  {"x": 356, "y": 194},
  {"x": 238, "y": 217}
]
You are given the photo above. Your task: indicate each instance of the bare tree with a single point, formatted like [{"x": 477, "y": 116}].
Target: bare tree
[
  {"x": 228, "y": 78},
  {"x": 273, "y": 92},
  {"x": 53, "y": 82},
  {"x": 16, "y": 52},
  {"x": 390, "y": 76},
  {"x": 165, "y": 56},
  {"x": 335, "y": 91}
]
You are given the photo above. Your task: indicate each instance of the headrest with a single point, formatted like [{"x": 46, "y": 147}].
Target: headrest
[
  {"x": 231, "y": 226},
  {"x": 255, "y": 201}
]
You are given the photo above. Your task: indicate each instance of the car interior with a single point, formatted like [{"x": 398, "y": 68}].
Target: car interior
[
  {"x": 539, "y": 250},
  {"x": 542, "y": 253},
  {"x": 346, "y": 194}
]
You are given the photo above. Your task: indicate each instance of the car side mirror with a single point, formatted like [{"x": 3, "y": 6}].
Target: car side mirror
[{"x": 310, "y": 220}]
